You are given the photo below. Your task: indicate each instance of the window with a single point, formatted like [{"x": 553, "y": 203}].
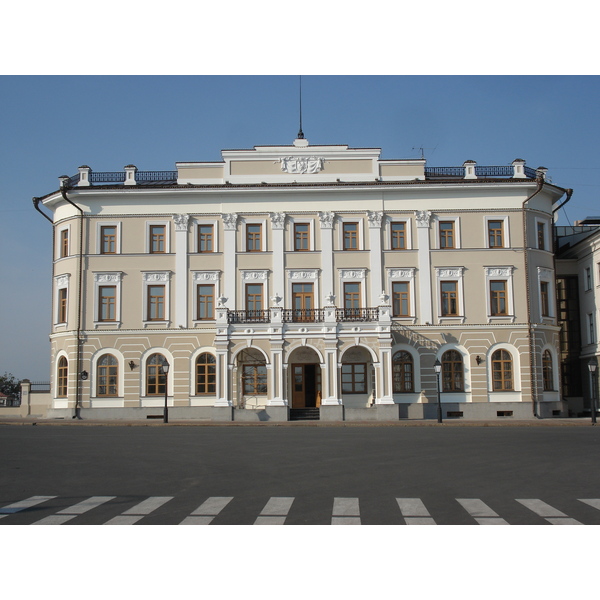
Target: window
[
  {"x": 158, "y": 239},
  {"x": 156, "y": 303},
  {"x": 545, "y": 298},
  {"x": 502, "y": 371},
  {"x": 254, "y": 380},
  {"x": 591, "y": 329},
  {"x": 449, "y": 298},
  {"x": 206, "y": 374},
  {"x": 206, "y": 238},
  {"x": 62, "y": 377},
  {"x": 107, "y": 302},
  {"x": 206, "y": 302},
  {"x": 446, "y": 234},
  {"x": 498, "y": 299},
  {"x": 351, "y": 296},
  {"x": 398, "y": 236},
  {"x": 303, "y": 301},
  {"x": 403, "y": 373},
  {"x": 62, "y": 305},
  {"x": 108, "y": 376},
  {"x": 452, "y": 372},
  {"x": 301, "y": 237},
  {"x": 548, "y": 371},
  {"x": 588, "y": 278},
  {"x": 350, "y": 236},
  {"x": 108, "y": 239},
  {"x": 64, "y": 243},
  {"x": 541, "y": 235},
  {"x": 496, "y": 234},
  {"x": 354, "y": 378},
  {"x": 400, "y": 299},
  {"x": 155, "y": 379},
  {"x": 254, "y": 299},
  {"x": 254, "y": 237}
]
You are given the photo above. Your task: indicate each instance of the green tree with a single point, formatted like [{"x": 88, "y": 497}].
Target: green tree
[{"x": 10, "y": 386}]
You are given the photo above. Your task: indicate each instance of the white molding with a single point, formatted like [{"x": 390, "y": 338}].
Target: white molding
[
  {"x": 167, "y": 236},
  {"x": 407, "y": 232},
  {"x": 403, "y": 275},
  {"x": 150, "y": 278},
  {"x": 361, "y": 235},
  {"x": 500, "y": 273},
  {"x": 505, "y": 231},
  {"x": 450, "y": 274},
  {"x": 196, "y": 222},
  {"x": 456, "y": 230},
  {"x": 118, "y": 235},
  {"x": 310, "y": 221},
  {"x": 263, "y": 233}
]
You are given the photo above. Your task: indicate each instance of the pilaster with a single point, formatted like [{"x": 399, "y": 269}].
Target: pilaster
[
  {"x": 327, "y": 284},
  {"x": 278, "y": 235},
  {"x": 229, "y": 261},
  {"x": 375, "y": 255},
  {"x": 424, "y": 261},
  {"x": 181, "y": 269}
]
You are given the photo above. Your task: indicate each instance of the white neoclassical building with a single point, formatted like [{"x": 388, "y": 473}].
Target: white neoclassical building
[{"x": 305, "y": 277}]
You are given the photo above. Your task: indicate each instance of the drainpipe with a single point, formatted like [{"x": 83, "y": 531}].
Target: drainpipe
[
  {"x": 530, "y": 332},
  {"x": 63, "y": 187},
  {"x": 36, "y": 205}
]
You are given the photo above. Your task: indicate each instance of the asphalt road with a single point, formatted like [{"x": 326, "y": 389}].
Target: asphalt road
[{"x": 324, "y": 475}]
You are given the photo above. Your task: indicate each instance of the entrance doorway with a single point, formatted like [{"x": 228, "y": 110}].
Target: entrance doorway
[{"x": 306, "y": 385}]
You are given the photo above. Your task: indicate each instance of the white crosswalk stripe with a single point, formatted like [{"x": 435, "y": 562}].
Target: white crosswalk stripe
[
  {"x": 594, "y": 502},
  {"x": 275, "y": 511},
  {"x": 62, "y": 516},
  {"x": 139, "y": 511},
  {"x": 481, "y": 512},
  {"x": 414, "y": 512},
  {"x": 207, "y": 511},
  {"x": 551, "y": 514},
  {"x": 345, "y": 511},
  {"x": 16, "y": 507}
]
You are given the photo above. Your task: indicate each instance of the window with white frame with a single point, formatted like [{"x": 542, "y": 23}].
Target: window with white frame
[
  {"x": 61, "y": 299},
  {"x": 351, "y": 233},
  {"x": 63, "y": 239},
  {"x": 587, "y": 278},
  {"x": 254, "y": 238},
  {"x": 448, "y": 232},
  {"x": 450, "y": 293},
  {"x": 497, "y": 232},
  {"x": 399, "y": 234},
  {"x": 158, "y": 237},
  {"x": 301, "y": 234},
  {"x": 546, "y": 291},
  {"x": 107, "y": 294},
  {"x": 499, "y": 292},
  {"x": 156, "y": 289},
  {"x": 355, "y": 294},
  {"x": 402, "y": 286},
  {"x": 108, "y": 237},
  {"x": 207, "y": 291},
  {"x": 591, "y": 329},
  {"x": 207, "y": 236},
  {"x": 541, "y": 234}
]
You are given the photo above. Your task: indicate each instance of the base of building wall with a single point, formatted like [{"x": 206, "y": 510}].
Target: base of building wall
[
  {"x": 204, "y": 413},
  {"x": 269, "y": 413},
  {"x": 332, "y": 413}
]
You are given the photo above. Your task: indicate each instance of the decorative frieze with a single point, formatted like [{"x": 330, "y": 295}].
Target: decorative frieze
[
  {"x": 108, "y": 277},
  {"x": 302, "y": 164},
  {"x": 298, "y": 275},
  {"x": 401, "y": 273},
  {"x": 156, "y": 276},
  {"x": 200, "y": 276},
  {"x": 352, "y": 273},
  {"x": 499, "y": 271},
  {"x": 545, "y": 274},
  {"x": 450, "y": 273},
  {"x": 62, "y": 280},
  {"x": 254, "y": 275}
]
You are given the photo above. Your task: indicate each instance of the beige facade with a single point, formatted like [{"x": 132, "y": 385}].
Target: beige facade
[{"x": 306, "y": 276}]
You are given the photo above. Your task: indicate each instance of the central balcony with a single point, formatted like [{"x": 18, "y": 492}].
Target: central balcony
[{"x": 291, "y": 315}]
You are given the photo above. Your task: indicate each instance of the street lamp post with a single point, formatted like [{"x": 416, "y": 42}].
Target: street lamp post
[
  {"x": 164, "y": 369},
  {"x": 592, "y": 366},
  {"x": 437, "y": 367}
]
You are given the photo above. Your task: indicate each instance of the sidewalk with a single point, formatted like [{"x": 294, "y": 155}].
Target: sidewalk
[{"x": 29, "y": 421}]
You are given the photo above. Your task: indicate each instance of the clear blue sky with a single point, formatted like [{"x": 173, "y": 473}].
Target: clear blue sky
[{"x": 52, "y": 124}]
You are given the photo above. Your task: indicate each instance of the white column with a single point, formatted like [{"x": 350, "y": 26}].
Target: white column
[
  {"x": 229, "y": 263},
  {"x": 375, "y": 255},
  {"x": 278, "y": 233},
  {"x": 329, "y": 373},
  {"x": 424, "y": 260},
  {"x": 327, "y": 283},
  {"x": 181, "y": 269}
]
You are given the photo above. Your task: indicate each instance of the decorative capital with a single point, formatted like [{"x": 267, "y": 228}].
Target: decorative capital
[
  {"x": 181, "y": 222},
  {"x": 230, "y": 221},
  {"x": 423, "y": 218},
  {"x": 302, "y": 164},
  {"x": 375, "y": 218},
  {"x": 326, "y": 219},
  {"x": 277, "y": 220}
]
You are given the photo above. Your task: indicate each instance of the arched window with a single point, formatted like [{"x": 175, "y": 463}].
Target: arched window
[
  {"x": 453, "y": 379},
  {"x": 155, "y": 380},
  {"x": 502, "y": 371},
  {"x": 62, "y": 377},
  {"x": 107, "y": 376},
  {"x": 253, "y": 371},
  {"x": 206, "y": 374},
  {"x": 403, "y": 373},
  {"x": 548, "y": 371}
]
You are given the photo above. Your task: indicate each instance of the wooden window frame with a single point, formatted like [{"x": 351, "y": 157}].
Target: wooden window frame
[
  {"x": 254, "y": 377},
  {"x": 206, "y": 369},
  {"x": 210, "y": 314},
  {"x": 207, "y": 238},
  {"x": 252, "y": 298},
  {"x": 447, "y": 235},
  {"x": 401, "y": 384},
  {"x": 354, "y": 297},
  {"x": 254, "y": 239},
  {"x": 154, "y": 301},
  {"x": 302, "y": 238},
  {"x": 63, "y": 304},
  {"x": 399, "y": 298},
  {"x": 541, "y": 235},
  {"x": 351, "y": 236},
  {"x": 158, "y": 238},
  {"x": 548, "y": 371},
  {"x": 62, "y": 377},
  {"x": 64, "y": 243},
  {"x": 154, "y": 375},
  {"x": 107, "y": 371},
  {"x": 398, "y": 238},
  {"x": 495, "y": 233},
  {"x": 108, "y": 240},
  {"x": 545, "y": 298},
  {"x": 448, "y": 298},
  {"x": 355, "y": 386},
  {"x": 497, "y": 297},
  {"x": 502, "y": 364},
  {"x": 453, "y": 372},
  {"x": 104, "y": 316}
]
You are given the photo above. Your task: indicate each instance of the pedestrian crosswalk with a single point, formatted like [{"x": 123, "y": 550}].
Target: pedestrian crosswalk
[{"x": 276, "y": 511}]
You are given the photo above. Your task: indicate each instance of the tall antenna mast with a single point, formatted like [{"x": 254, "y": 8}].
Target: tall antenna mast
[{"x": 300, "y": 134}]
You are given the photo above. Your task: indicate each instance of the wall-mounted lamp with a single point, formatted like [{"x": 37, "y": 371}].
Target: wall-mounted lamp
[
  {"x": 132, "y": 365},
  {"x": 84, "y": 375},
  {"x": 478, "y": 360}
]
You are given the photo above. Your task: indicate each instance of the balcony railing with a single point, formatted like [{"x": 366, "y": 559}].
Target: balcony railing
[
  {"x": 312, "y": 315},
  {"x": 249, "y": 316},
  {"x": 357, "y": 314}
]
